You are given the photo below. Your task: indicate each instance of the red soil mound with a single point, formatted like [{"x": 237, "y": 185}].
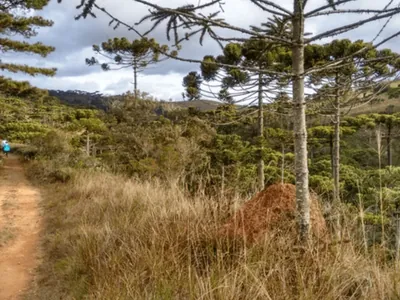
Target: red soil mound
[{"x": 274, "y": 207}]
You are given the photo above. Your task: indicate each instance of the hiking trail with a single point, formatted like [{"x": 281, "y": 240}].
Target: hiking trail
[{"x": 19, "y": 229}]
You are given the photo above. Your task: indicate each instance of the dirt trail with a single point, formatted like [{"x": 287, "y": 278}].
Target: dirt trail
[{"x": 19, "y": 230}]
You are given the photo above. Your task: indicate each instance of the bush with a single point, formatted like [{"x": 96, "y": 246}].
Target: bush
[
  {"x": 27, "y": 152},
  {"x": 49, "y": 171},
  {"x": 52, "y": 144}
]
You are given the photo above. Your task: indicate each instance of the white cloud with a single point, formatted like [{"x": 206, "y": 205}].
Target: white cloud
[
  {"x": 160, "y": 86},
  {"x": 73, "y": 40}
]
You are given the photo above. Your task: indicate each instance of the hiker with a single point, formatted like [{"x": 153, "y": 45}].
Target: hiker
[
  {"x": 6, "y": 148},
  {"x": 3, "y": 142}
]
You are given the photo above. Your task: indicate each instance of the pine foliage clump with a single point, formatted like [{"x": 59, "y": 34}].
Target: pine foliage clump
[{"x": 14, "y": 21}]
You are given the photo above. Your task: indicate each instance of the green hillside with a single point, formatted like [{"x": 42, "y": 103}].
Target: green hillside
[
  {"x": 97, "y": 100},
  {"x": 202, "y": 105}
]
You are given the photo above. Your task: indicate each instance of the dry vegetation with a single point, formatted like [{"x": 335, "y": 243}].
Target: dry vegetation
[
  {"x": 379, "y": 107},
  {"x": 109, "y": 237}
]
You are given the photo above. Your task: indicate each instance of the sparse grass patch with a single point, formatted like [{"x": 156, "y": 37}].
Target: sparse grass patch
[
  {"x": 7, "y": 233},
  {"x": 109, "y": 237},
  {"x": 7, "y": 204}
]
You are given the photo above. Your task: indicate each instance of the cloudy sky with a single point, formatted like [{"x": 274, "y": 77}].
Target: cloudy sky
[{"x": 74, "y": 39}]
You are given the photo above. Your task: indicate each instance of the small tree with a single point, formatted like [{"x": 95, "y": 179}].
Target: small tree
[
  {"x": 122, "y": 53},
  {"x": 88, "y": 122},
  {"x": 391, "y": 121}
]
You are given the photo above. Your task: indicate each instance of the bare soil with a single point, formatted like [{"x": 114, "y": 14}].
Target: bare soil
[
  {"x": 19, "y": 230},
  {"x": 274, "y": 207}
]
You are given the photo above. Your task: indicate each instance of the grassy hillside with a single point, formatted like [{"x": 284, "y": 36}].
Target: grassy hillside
[
  {"x": 387, "y": 101},
  {"x": 100, "y": 101},
  {"x": 202, "y": 105},
  {"x": 378, "y": 106}
]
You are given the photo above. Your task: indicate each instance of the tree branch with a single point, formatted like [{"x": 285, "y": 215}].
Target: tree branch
[
  {"x": 274, "y": 12},
  {"x": 220, "y": 24},
  {"x": 349, "y": 27},
  {"x": 321, "y": 8},
  {"x": 351, "y": 11}
]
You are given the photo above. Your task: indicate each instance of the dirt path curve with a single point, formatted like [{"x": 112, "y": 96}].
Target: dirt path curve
[{"x": 19, "y": 230}]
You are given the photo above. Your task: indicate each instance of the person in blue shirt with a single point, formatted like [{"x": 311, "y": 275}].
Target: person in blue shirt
[{"x": 6, "y": 148}]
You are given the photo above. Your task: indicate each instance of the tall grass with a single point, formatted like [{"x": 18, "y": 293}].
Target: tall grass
[{"x": 109, "y": 237}]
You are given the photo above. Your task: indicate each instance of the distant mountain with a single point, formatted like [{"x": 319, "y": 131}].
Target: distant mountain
[
  {"x": 81, "y": 98},
  {"x": 100, "y": 101}
]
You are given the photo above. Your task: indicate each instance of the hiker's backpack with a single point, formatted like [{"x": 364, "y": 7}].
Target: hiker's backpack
[{"x": 6, "y": 148}]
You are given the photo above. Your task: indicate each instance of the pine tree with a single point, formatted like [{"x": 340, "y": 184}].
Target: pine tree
[
  {"x": 122, "y": 53},
  {"x": 252, "y": 86},
  {"x": 390, "y": 121},
  {"x": 351, "y": 83},
  {"x": 14, "y": 22}
]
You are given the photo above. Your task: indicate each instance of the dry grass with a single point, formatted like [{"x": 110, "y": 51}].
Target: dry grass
[
  {"x": 379, "y": 107},
  {"x": 108, "y": 237}
]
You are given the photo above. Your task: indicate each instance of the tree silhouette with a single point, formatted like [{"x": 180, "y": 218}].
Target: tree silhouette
[{"x": 122, "y": 53}]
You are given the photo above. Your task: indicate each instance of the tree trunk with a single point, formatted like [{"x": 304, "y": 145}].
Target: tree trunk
[
  {"x": 336, "y": 148},
  {"x": 381, "y": 206},
  {"x": 135, "y": 80},
  {"x": 299, "y": 117},
  {"x": 336, "y": 161},
  {"x": 397, "y": 216},
  {"x": 223, "y": 182},
  {"x": 331, "y": 153},
  {"x": 260, "y": 165},
  {"x": 389, "y": 144},
  {"x": 283, "y": 164},
  {"x": 283, "y": 154},
  {"x": 87, "y": 144}
]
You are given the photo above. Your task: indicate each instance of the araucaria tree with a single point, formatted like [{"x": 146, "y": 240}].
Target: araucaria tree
[
  {"x": 185, "y": 22},
  {"x": 357, "y": 79},
  {"x": 122, "y": 53},
  {"x": 238, "y": 85},
  {"x": 13, "y": 22},
  {"x": 192, "y": 82}
]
